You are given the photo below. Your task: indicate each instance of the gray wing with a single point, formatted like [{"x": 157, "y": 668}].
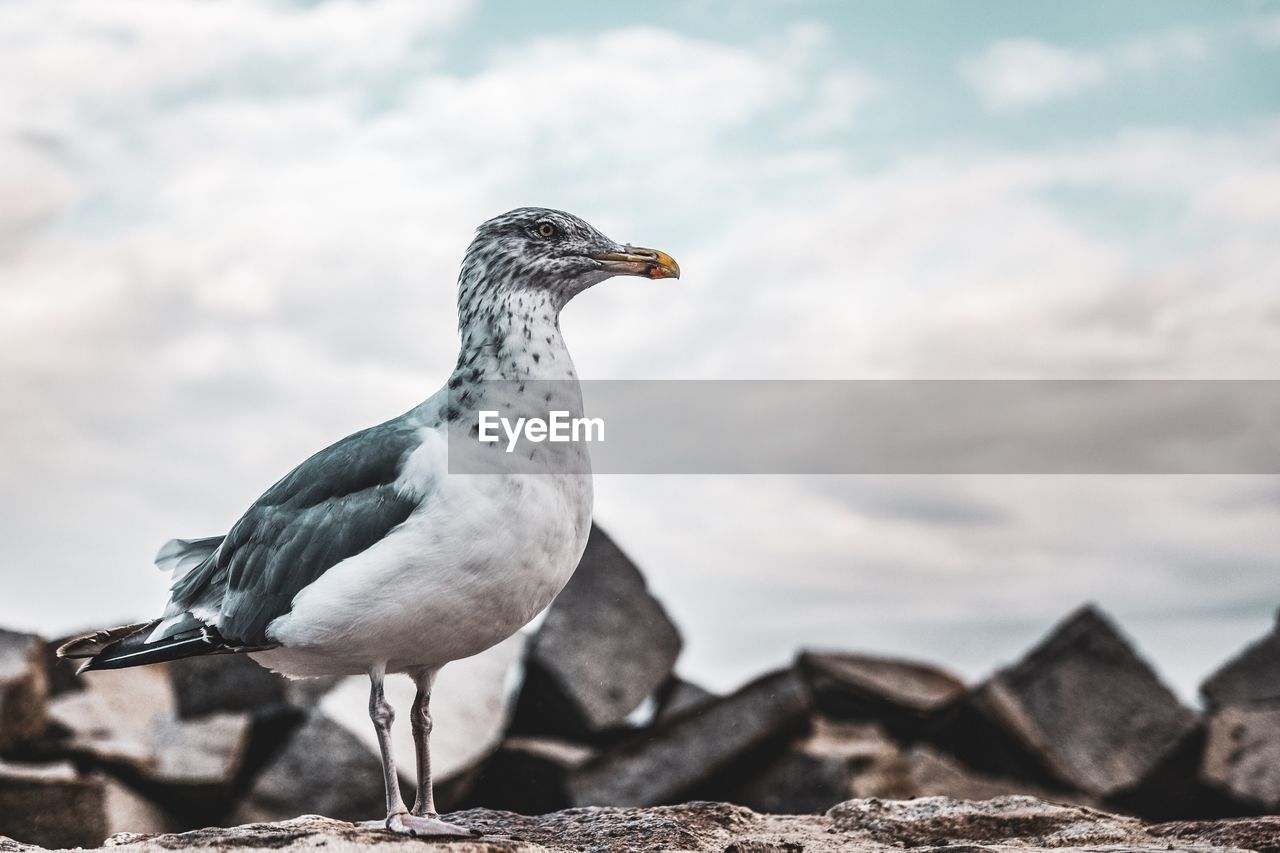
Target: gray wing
[{"x": 333, "y": 506}]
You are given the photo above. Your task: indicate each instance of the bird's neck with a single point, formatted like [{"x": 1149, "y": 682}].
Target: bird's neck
[{"x": 512, "y": 334}]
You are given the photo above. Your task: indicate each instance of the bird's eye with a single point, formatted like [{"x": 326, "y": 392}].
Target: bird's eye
[{"x": 546, "y": 229}]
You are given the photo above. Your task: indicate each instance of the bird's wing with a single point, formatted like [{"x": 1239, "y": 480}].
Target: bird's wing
[{"x": 333, "y": 506}]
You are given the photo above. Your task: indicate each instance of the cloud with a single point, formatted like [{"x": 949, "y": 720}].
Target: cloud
[
  {"x": 1013, "y": 74},
  {"x": 229, "y": 234}
]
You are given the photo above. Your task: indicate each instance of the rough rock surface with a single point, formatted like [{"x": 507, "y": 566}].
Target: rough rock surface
[
  {"x": 1081, "y": 708},
  {"x": 605, "y": 647},
  {"x": 1005, "y": 824},
  {"x": 23, "y": 688}
]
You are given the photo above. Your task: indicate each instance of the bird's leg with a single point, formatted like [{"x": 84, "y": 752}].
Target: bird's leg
[
  {"x": 383, "y": 715},
  {"x": 423, "y": 821},
  {"x": 425, "y": 803}
]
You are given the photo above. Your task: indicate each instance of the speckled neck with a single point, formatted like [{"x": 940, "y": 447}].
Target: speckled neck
[{"x": 511, "y": 331}]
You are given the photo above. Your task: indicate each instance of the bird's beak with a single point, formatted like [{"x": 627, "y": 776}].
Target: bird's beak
[{"x": 633, "y": 260}]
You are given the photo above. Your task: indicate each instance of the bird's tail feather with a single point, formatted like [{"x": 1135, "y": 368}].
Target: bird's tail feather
[
  {"x": 97, "y": 642},
  {"x": 133, "y": 645}
]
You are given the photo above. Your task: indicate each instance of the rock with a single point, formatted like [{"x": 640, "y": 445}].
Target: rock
[
  {"x": 52, "y": 806},
  {"x": 211, "y": 683},
  {"x": 322, "y": 768},
  {"x": 59, "y": 673},
  {"x": 1242, "y": 755},
  {"x": 529, "y": 775},
  {"x": 937, "y": 821},
  {"x": 23, "y": 688},
  {"x": 110, "y": 723},
  {"x": 1251, "y": 677},
  {"x": 901, "y": 695},
  {"x": 933, "y": 773},
  {"x": 605, "y": 646},
  {"x": 867, "y": 826},
  {"x": 204, "y": 753},
  {"x": 669, "y": 763},
  {"x": 471, "y": 706},
  {"x": 129, "y": 811},
  {"x": 835, "y": 761},
  {"x": 124, "y": 724},
  {"x": 1261, "y": 834},
  {"x": 680, "y": 697},
  {"x": 1081, "y": 710}
]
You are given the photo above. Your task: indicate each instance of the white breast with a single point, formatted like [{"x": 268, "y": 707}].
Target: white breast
[{"x": 482, "y": 556}]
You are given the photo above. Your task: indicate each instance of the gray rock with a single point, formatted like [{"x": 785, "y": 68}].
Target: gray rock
[
  {"x": 605, "y": 646},
  {"x": 867, "y": 826},
  {"x": 50, "y": 805},
  {"x": 529, "y": 775},
  {"x": 835, "y": 761},
  {"x": 933, "y": 774},
  {"x": 901, "y": 695},
  {"x": 1081, "y": 710},
  {"x": 204, "y": 753},
  {"x": 1251, "y": 677},
  {"x": 1242, "y": 755},
  {"x": 322, "y": 769},
  {"x": 681, "y": 697},
  {"x": 23, "y": 688},
  {"x": 670, "y": 763},
  {"x": 213, "y": 683}
]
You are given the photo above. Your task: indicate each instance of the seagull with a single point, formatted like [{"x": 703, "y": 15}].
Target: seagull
[{"x": 411, "y": 544}]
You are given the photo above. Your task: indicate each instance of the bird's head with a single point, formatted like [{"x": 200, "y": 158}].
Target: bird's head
[{"x": 539, "y": 248}]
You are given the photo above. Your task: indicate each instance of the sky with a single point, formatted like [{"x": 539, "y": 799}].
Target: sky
[{"x": 229, "y": 235}]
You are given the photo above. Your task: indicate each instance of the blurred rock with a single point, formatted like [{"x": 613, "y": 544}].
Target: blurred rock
[
  {"x": 665, "y": 765},
  {"x": 836, "y": 761},
  {"x": 203, "y": 753},
  {"x": 901, "y": 695},
  {"x": 605, "y": 646},
  {"x": 52, "y": 806},
  {"x": 1081, "y": 710},
  {"x": 529, "y": 775},
  {"x": 59, "y": 673},
  {"x": 1242, "y": 755},
  {"x": 23, "y": 688},
  {"x": 933, "y": 773},
  {"x": 110, "y": 723},
  {"x": 129, "y": 811},
  {"x": 680, "y": 697},
  {"x": 211, "y": 683},
  {"x": 1251, "y": 677},
  {"x": 323, "y": 769}
]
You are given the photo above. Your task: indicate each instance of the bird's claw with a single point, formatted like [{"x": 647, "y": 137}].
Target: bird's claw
[{"x": 427, "y": 826}]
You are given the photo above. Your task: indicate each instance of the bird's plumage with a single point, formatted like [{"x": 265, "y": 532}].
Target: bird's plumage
[
  {"x": 377, "y": 555},
  {"x": 304, "y": 576}
]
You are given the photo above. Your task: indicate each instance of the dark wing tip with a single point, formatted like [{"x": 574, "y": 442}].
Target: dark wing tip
[{"x": 88, "y": 645}]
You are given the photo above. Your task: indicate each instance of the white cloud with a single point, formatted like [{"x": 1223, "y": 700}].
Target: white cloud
[
  {"x": 1020, "y": 72},
  {"x": 1013, "y": 74}
]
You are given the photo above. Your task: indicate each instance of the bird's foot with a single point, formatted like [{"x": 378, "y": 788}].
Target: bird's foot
[{"x": 427, "y": 826}]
